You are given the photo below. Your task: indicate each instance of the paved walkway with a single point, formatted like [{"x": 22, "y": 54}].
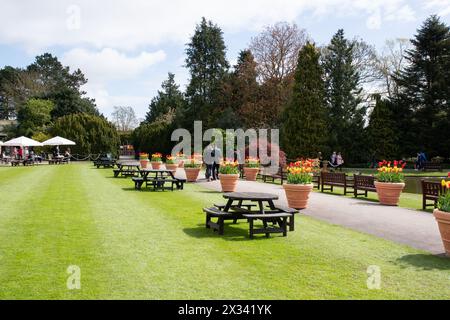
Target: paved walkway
[{"x": 414, "y": 228}]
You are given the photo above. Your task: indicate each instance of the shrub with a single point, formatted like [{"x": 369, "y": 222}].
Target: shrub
[{"x": 92, "y": 134}]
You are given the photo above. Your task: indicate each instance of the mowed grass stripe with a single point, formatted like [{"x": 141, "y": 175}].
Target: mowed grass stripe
[{"x": 52, "y": 229}]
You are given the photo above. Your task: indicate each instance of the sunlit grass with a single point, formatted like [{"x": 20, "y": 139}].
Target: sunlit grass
[{"x": 153, "y": 245}]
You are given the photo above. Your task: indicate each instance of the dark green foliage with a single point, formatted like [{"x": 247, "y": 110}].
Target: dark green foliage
[
  {"x": 47, "y": 79},
  {"x": 346, "y": 115},
  {"x": 208, "y": 66},
  {"x": 8, "y": 108},
  {"x": 154, "y": 137},
  {"x": 240, "y": 94},
  {"x": 382, "y": 137},
  {"x": 62, "y": 86},
  {"x": 424, "y": 88},
  {"x": 304, "y": 128},
  {"x": 92, "y": 134},
  {"x": 34, "y": 117},
  {"x": 169, "y": 98}
]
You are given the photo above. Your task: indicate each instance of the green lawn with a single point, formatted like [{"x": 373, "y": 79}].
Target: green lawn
[{"x": 132, "y": 244}]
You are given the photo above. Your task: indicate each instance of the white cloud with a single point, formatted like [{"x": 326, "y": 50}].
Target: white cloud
[
  {"x": 106, "y": 102},
  {"x": 442, "y": 7},
  {"x": 109, "y": 64},
  {"x": 131, "y": 25}
]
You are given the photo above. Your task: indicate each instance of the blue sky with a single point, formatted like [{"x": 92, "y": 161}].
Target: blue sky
[{"x": 126, "y": 48}]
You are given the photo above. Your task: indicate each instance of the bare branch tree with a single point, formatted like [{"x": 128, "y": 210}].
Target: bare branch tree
[
  {"x": 124, "y": 118},
  {"x": 391, "y": 62},
  {"x": 276, "y": 50}
]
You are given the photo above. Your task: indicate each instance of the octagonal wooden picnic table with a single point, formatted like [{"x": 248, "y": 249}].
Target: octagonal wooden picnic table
[
  {"x": 127, "y": 168},
  {"x": 258, "y": 197},
  {"x": 265, "y": 210}
]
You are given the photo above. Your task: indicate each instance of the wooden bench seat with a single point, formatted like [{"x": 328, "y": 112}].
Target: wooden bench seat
[
  {"x": 292, "y": 212},
  {"x": 431, "y": 191},
  {"x": 432, "y": 166},
  {"x": 280, "y": 218},
  {"x": 125, "y": 173},
  {"x": 280, "y": 174},
  {"x": 329, "y": 180},
  {"x": 363, "y": 183},
  {"x": 221, "y": 216}
]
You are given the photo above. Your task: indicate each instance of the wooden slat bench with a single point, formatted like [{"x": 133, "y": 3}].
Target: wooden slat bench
[
  {"x": 292, "y": 212},
  {"x": 158, "y": 183},
  {"x": 280, "y": 174},
  {"x": 432, "y": 166},
  {"x": 281, "y": 218},
  {"x": 125, "y": 173},
  {"x": 221, "y": 216},
  {"x": 363, "y": 183},
  {"x": 335, "y": 179},
  {"x": 316, "y": 181},
  {"x": 431, "y": 191}
]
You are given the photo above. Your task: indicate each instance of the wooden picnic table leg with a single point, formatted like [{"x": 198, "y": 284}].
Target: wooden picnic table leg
[
  {"x": 239, "y": 206},
  {"x": 261, "y": 211}
]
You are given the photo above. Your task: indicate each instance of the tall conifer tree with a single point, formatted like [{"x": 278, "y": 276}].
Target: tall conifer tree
[{"x": 304, "y": 128}]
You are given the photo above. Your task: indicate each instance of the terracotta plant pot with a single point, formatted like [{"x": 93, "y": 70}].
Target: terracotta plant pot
[
  {"x": 443, "y": 220},
  {"x": 144, "y": 163},
  {"x": 251, "y": 173},
  {"x": 192, "y": 174},
  {"x": 156, "y": 165},
  {"x": 297, "y": 195},
  {"x": 389, "y": 193},
  {"x": 228, "y": 182},
  {"x": 172, "y": 167}
]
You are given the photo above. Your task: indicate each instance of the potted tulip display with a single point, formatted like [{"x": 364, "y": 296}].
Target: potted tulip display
[
  {"x": 192, "y": 169},
  {"x": 143, "y": 160},
  {"x": 156, "y": 161},
  {"x": 390, "y": 182},
  {"x": 229, "y": 175},
  {"x": 299, "y": 183},
  {"x": 171, "y": 163},
  {"x": 442, "y": 215},
  {"x": 251, "y": 168}
]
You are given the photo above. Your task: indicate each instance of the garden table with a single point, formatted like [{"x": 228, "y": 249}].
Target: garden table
[
  {"x": 265, "y": 210},
  {"x": 158, "y": 178},
  {"x": 127, "y": 168},
  {"x": 258, "y": 197}
]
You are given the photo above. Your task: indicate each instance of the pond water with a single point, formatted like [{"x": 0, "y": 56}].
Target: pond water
[{"x": 413, "y": 183}]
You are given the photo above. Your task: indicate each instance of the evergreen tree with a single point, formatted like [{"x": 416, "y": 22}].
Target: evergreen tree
[
  {"x": 382, "y": 137},
  {"x": 34, "y": 117},
  {"x": 208, "y": 66},
  {"x": 424, "y": 88},
  {"x": 62, "y": 86},
  {"x": 169, "y": 98},
  {"x": 240, "y": 93},
  {"x": 346, "y": 115},
  {"x": 304, "y": 127}
]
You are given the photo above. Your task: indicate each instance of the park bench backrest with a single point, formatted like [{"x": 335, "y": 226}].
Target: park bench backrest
[
  {"x": 430, "y": 188},
  {"x": 364, "y": 181},
  {"x": 334, "y": 177}
]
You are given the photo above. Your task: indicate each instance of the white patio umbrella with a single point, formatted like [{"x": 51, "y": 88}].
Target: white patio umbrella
[
  {"x": 22, "y": 142},
  {"x": 58, "y": 141}
]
